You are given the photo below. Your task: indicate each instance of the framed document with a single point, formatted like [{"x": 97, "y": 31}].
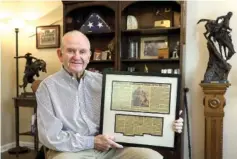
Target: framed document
[
  {"x": 139, "y": 108},
  {"x": 48, "y": 36}
]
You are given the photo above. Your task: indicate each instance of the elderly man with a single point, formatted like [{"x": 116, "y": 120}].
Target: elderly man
[{"x": 69, "y": 104}]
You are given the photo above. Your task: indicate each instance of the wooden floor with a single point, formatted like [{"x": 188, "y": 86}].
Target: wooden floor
[{"x": 30, "y": 155}]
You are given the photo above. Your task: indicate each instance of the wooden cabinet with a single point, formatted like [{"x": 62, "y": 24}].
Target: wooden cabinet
[
  {"x": 76, "y": 14},
  {"x": 115, "y": 15},
  {"x": 146, "y": 14},
  {"x": 151, "y": 17}
]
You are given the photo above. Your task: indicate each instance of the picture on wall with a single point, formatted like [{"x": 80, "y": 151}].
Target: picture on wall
[{"x": 48, "y": 36}]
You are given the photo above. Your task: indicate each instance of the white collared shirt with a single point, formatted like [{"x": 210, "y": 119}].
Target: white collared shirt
[{"x": 68, "y": 112}]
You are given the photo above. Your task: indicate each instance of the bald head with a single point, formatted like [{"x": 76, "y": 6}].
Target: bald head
[
  {"x": 75, "y": 52},
  {"x": 74, "y": 34}
]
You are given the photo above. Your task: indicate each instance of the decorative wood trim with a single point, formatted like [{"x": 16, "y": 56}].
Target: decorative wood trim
[{"x": 214, "y": 102}]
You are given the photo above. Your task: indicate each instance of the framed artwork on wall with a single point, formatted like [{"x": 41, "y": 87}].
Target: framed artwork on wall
[{"x": 48, "y": 36}]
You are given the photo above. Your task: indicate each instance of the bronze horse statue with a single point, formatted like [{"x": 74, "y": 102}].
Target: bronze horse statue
[
  {"x": 219, "y": 30},
  {"x": 33, "y": 70}
]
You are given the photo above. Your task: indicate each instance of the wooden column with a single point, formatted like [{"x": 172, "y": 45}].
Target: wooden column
[{"x": 214, "y": 102}]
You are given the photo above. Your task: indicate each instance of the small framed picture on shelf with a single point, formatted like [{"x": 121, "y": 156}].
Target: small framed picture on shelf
[
  {"x": 104, "y": 55},
  {"x": 150, "y": 46},
  {"x": 97, "y": 55},
  {"x": 48, "y": 36}
]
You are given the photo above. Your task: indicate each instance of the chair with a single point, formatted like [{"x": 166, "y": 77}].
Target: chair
[
  {"x": 41, "y": 154},
  {"x": 35, "y": 85}
]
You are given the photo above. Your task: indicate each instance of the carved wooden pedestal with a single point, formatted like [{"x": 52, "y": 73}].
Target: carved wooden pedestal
[{"x": 214, "y": 102}]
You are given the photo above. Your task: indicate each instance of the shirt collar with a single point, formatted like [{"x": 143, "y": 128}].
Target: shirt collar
[{"x": 70, "y": 75}]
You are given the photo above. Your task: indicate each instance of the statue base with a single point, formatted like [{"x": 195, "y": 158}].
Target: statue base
[
  {"x": 27, "y": 95},
  {"x": 214, "y": 103}
]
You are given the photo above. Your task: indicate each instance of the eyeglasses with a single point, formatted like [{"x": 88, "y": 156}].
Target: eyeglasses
[{"x": 72, "y": 51}]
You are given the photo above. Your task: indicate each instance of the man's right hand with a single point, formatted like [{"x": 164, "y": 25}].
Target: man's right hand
[{"x": 105, "y": 142}]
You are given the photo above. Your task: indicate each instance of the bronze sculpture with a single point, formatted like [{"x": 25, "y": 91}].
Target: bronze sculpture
[
  {"x": 218, "y": 31},
  {"x": 32, "y": 68}
]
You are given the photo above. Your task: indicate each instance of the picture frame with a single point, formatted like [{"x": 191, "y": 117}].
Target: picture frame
[
  {"x": 131, "y": 111},
  {"x": 104, "y": 55},
  {"x": 149, "y": 46},
  {"x": 48, "y": 36},
  {"x": 97, "y": 55}
]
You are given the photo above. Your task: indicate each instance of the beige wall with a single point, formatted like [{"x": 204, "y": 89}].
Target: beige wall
[
  {"x": 196, "y": 63},
  {"x": 0, "y": 83},
  {"x": 8, "y": 87},
  {"x": 27, "y": 43}
]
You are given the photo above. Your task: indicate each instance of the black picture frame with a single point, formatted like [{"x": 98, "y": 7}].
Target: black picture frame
[
  {"x": 110, "y": 116},
  {"x": 48, "y": 36}
]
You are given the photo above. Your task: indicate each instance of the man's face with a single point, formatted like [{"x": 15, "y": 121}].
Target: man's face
[{"x": 75, "y": 54}]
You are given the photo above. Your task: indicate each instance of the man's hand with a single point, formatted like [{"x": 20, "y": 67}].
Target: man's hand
[
  {"x": 105, "y": 142},
  {"x": 178, "y": 124}
]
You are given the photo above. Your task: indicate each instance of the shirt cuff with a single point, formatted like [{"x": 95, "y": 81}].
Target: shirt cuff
[{"x": 89, "y": 142}]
